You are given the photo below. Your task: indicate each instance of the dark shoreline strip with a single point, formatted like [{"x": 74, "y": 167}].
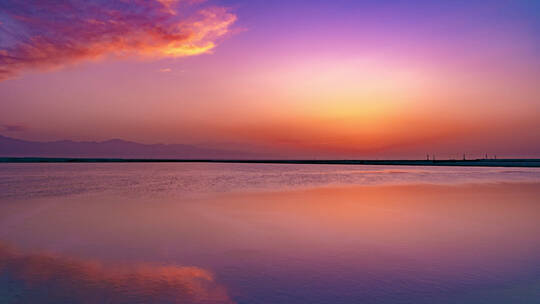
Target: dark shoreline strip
[{"x": 466, "y": 163}]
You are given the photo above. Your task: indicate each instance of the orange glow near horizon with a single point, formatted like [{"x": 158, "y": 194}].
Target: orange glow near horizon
[{"x": 283, "y": 80}]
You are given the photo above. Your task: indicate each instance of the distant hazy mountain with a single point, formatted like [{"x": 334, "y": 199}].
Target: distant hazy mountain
[{"x": 110, "y": 148}]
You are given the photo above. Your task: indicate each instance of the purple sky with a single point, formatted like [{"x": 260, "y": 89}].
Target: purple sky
[{"x": 306, "y": 78}]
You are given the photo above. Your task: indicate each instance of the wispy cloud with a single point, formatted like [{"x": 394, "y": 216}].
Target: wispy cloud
[
  {"x": 39, "y": 34},
  {"x": 165, "y": 70}
]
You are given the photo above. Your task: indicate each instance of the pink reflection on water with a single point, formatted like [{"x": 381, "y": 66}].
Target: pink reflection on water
[
  {"x": 44, "y": 278},
  {"x": 355, "y": 243}
]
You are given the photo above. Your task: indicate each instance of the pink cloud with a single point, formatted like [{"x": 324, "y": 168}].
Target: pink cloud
[{"x": 51, "y": 34}]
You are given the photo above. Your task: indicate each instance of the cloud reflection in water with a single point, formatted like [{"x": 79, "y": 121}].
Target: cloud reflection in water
[{"x": 44, "y": 278}]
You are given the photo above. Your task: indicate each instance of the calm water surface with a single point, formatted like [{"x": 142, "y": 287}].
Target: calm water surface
[{"x": 244, "y": 233}]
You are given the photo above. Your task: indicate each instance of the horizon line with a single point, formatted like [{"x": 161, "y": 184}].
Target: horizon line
[{"x": 504, "y": 162}]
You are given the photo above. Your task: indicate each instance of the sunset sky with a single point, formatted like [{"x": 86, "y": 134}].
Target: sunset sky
[{"x": 294, "y": 78}]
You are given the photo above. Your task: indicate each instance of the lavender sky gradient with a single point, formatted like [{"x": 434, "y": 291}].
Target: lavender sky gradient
[{"x": 337, "y": 78}]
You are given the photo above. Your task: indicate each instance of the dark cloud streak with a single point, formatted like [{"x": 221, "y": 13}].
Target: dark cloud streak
[{"x": 13, "y": 128}]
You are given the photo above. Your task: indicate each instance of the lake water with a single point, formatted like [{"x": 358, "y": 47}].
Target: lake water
[{"x": 254, "y": 233}]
